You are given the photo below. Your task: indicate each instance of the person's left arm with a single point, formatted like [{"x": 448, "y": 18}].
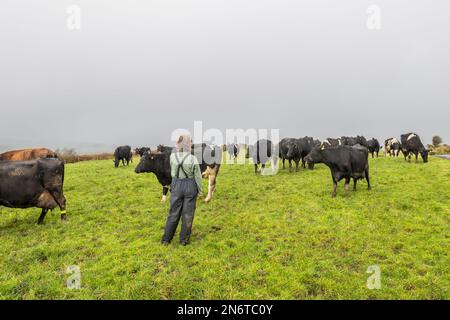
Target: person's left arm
[{"x": 197, "y": 174}]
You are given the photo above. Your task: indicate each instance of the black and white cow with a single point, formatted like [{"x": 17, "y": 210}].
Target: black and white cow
[
  {"x": 392, "y": 147},
  {"x": 331, "y": 142},
  {"x": 345, "y": 162},
  {"x": 411, "y": 144},
  {"x": 374, "y": 147}
]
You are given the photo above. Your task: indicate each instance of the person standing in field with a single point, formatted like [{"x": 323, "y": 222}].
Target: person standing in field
[{"x": 185, "y": 188}]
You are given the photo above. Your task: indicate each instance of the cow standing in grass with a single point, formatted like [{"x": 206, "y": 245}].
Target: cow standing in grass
[
  {"x": 411, "y": 144},
  {"x": 374, "y": 147},
  {"x": 288, "y": 150},
  {"x": 261, "y": 153},
  {"x": 123, "y": 154},
  {"x": 305, "y": 145},
  {"x": 35, "y": 183},
  {"x": 392, "y": 147},
  {"x": 345, "y": 162}
]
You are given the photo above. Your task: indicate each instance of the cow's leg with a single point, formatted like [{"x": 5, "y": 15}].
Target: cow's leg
[
  {"x": 256, "y": 168},
  {"x": 354, "y": 183},
  {"x": 417, "y": 155},
  {"x": 290, "y": 166},
  {"x": 263, "y": 166},
  {"x": 346, "y": 186},
  {"x": 61, "y": 201},
  {"x": 284, "y": 167},
  {"x": 211, "y": 186},
  {"x": 373, "y": 154},
  {"x": 164, "y": 192},
  {"x": 303, "y": 163},
  {"x": 366, "y": 173},
  {"x": 333, "y": 194},
  {"x": 296, "y": 165},
  {"x": 42, "y": 216}
]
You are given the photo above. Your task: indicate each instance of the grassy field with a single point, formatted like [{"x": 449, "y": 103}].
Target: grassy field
[{"x": 271, "y": 237}]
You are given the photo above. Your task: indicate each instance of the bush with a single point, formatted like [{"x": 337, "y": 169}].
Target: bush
[
  {"x": 442, "y": 149},
  {"x": 436, "y": 140}
]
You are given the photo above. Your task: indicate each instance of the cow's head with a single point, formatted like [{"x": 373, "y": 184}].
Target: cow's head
[
  {"x": 147, "y": 162},
  {"x": 424, "y": 155},
  {"x": 315, "y": 156}
]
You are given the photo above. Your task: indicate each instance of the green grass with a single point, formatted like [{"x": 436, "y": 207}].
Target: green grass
[{"x": 272, "y": 237}]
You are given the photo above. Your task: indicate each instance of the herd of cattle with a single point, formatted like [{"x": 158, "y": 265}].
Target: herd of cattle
[{"x": 35, "y": 177}]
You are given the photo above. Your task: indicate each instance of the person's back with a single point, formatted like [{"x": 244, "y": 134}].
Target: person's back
[
  {"x": 185, "y": 188},
  {"x": 184, "y": 165}
]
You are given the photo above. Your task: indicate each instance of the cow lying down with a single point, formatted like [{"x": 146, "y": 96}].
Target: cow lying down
[
  {"x": 345, "y": 162},
  {"x": 35, "y": 183},
  {"x": 159, "y": 163}
]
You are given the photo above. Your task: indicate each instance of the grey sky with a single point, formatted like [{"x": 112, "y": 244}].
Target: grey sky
[{"x": 139, "y": 69}]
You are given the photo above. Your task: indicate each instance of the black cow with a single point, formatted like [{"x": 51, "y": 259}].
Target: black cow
[
  {"x": 233, "y": 150},
  {"x": 141, "y": 151},
  {"x": 345, "y": 162},
  {"x": 122, "y": 153},
  {"x": 351, "y": 141},
  {"x": 34, "y": 183},
  {"x": 158, "y": 162},
  {"x": 374, "y": 147},
  {"x": 411, "y": 143},
  {"x": 305, "y": 146},
  {"x": 261, "y": 153},
  {"x": 163, "y": 148},
  {"x": 288, "y": 150}
]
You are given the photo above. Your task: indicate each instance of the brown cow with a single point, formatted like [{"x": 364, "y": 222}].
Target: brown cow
[{"x": 28, "y": 154}]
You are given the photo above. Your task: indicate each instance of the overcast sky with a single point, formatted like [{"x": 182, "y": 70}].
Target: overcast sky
[{"x": 137, "y": 70}]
